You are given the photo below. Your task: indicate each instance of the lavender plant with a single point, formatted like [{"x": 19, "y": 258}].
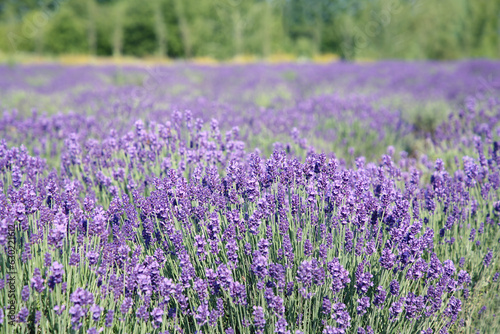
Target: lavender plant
[{"x": 174, "y": 225}]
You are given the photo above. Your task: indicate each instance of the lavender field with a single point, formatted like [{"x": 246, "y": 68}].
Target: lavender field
[{"x": 297, "y": 198}]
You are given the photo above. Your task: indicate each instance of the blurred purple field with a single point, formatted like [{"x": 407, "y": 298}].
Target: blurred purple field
[{"x": 297, "y": 198}]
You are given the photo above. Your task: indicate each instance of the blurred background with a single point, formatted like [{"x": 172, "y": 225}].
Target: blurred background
[{"x": 252, "y": 29}]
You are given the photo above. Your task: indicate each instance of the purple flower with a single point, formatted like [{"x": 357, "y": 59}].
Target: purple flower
[
  {"x": 417, "y": 270},
  {"x": 93, "y": 257},
  {"x": 340, "y": 276},
  {"x": 126, "y": 305},
  {"x": 25, "y": 293},
  {"x": 238, "y": 293},
  {"x": 466, "y": 294},
  {"x": 57, "y": 235},
  {"x": 380, "y": 297},
  {"x": 449, "y": 268},
  {"x": 212, "y": 280},
  {"x": 213, "y": 225},
  {"x": 481, "y": 228},
  {"x": 142, "y": 313},
  {"x": 488, "y": 258},
  {"x": 82, "y": 297},
  {"x": 200, "y": 246},
  {"x": 74, "y": 259},
  {"x": 341, "y": 315},
  {"x": 318, "y": 273},
  {"x": 434, "y": 299},
  {"x": 48, "y": 259},
  {"x": 364, "y": 282},
  {"x": 454, "y": 307},
  {"x": 395, "y": 309},
  {"x": 217, "y": 312},
  {"x": 277, "y": 272},
  {"x": 327, "y": 306},
  {"x": 96, "y": 312},
  {"x": 472, "y": 234},
  {"x": 248, "y": 249},
  {"x": 358, "y": 250},
  {"x": 333, "y": 330},
  {"x": 76, "y": 313},
  {"x": 281, "y": 325},
  {"x": 144, "y": 283},
  {"x": 157, "y": 315},
  {"x": 463, "y": 277},
  {"x": 413, "y": 305},
  {"x": 387, "y": 259},
  {"x": 109, "y": 318},
  {"x": 363, "y": 305},
  {"x": 201, "y": 288},
  {"x": 288, "y": 248},
  {"x": 259, "y": 266},
  {"x": 37, "y": 281},
  {"x": 289, "y": 288},
  {"x": 26, "y": 255},
  {"x": 308, "y": 248},
  {"x": 59, "y": 309},
  {"x": 202, "y": 313},
  {"x": 263, "y": 246},
  {"x": 259, "y": 320},
  {"x": 435, "y": 268},
  {"x": 57, "y": 274},
  {"x": 232, "y": 251},
  {"x": 304, "y": 273},
  {"x": 349, "y": 236},
  {"x": 22, "y": 316},
  {"x": 16, "y": 176},
  {"x": 38, "y": 317},
  {"x": 225, "y": 276}
]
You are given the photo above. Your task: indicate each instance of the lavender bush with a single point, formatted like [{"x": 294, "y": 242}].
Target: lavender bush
[{"x": 285, "y": 205}]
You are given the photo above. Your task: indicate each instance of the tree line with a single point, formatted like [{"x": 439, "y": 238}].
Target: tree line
[{"x": 222, "y": 29}]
